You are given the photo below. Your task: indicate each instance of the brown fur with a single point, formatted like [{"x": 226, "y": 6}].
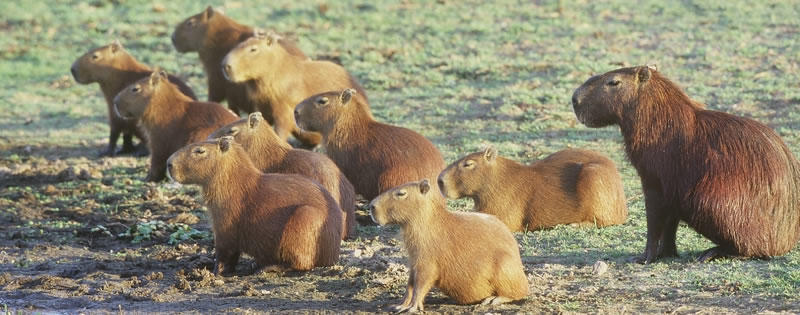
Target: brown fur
[
  {"x": 212, "y": 35},
  {"x": 283, "y": 80},
  {"x": 114, "y": 69},
  {"x": 471, "y": 257},
  {"x": 569, "y": 186},
  {"x": 374, "y": 156},
  {"x": 170, "y": 119},
  {"x": 278, "y": 219},
  {"x": 270, "y": 154},
  {"x": 730, "y": 178}
]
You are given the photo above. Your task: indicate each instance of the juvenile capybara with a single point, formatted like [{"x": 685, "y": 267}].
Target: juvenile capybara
[
  {"x": 114, "y": 69},
  {"x": 730, "y": 178},
  {"x": 471, "y": 257},
  {"x": 212, "y": 35},
  {"x": 281, "y": 220},
  {"x": 170, "y": 119},
  {"x": 275, "y": 77},
  {"x": 374, "y": 156},
  {"x": 270, "y": 154},
  {"x": 570, "y": 186}
]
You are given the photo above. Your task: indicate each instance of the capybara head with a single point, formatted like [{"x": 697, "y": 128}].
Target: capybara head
[
  {"x": 402, "y": 204},
  {"x": 95, "y": 65},
  {"x": 198, "y": 162},
  {"x": 253, "y": 57},
  {"x": 466, "y": 176},
  {"x": 603, "y": 99},
  {"x": 244, "y": 130},
  {"x": 131, "y": 102},
  {"x": 190, "y": 34},
  {"x": 317, "y": 112}
]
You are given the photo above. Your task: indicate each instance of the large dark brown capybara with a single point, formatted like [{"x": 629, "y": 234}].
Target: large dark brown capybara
[
  {"x": 212, "y": 35},
  {"x": 281, "y": 220},
  {"x": 571, "y": 186},
  {"x": 730, "y": 178},
  {"x": 471, "y": 257},
  {"x": 270, "y": 154},
  {"x": 276, "y": 77},
  {"x": 170, "y": 119},
  {"x": 375, "y": 156},
  {"x": 114, "y": 68}
]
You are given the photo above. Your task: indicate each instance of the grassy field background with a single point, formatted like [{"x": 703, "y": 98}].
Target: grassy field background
[{"x": 463, "y": 73}]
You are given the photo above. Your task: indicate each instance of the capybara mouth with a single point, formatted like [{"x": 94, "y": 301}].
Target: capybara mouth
[
  {"x": 226, "y": 72},
  {"x": 120, "y": 115}
]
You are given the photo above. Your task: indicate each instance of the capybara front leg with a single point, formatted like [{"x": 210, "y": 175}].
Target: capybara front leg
[
  {"x": 225, "y": 262},
  {"x": 409, "y": 294},
  {"x": 127, "y": 144},
  {"x": 656, "y": 225},
  {"x": 112, "y": 142},
  {"x": 424, "y": 278},
  {"x": 668, "y": 247}
]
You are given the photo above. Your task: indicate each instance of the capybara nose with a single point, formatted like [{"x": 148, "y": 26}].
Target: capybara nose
[
  {"x": 173, "y": 39},
  {"x": 74, "y": 72},
  {"x": 169, "y": 167},
  {"x": 296, "y": 114},
  {"x": 227, "y": 69},
  {"x": 575, "y": 99},
  {"x": 441, "y": 184}
]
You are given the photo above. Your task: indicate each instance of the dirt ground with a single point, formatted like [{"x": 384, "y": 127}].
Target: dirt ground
[{"x": 74, "y": 267}]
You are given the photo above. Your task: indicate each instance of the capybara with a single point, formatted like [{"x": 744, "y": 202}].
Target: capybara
[
  {"x": 270, "y": 154},
  {"x": 281, "y": 220},
  {"x": 471, "y": 257},
  {"x": 730, "y": 178},
  {"x": 274, "y": 76},
  {"x": 375, "y": 156},
  {"x": 212, "y": 35},
  {"x": 572, "y": 186},
  {"x": 170, "y": 119},
  {"x": 114, "y": 69}
]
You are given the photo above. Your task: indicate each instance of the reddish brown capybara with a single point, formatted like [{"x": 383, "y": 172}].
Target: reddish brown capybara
[
  {"x": 212, "y": 35},
  {"x": 170, "y": 119},
  {"x": 281, "y": 220},
  {"x": 471, "y": 257},
  {"x": 375, "y": 156},
  {"x": 114, "y": 68},
  {"x": 730, "y": 178},
  {"x": 282, "y": 80},
  {"x": 270, "y": 154},
  {"x": 572, "y": 186}
]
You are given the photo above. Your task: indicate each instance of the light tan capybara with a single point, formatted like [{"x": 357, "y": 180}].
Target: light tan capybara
[
  {"x": 114, "y": 68},
  {"x": 282, "y": 80},
  {"x": 281, "y": 220},
  {"x": 170, "y": 119},
  {"x": 471, "y": 257},
  {"x": 730, "y": 178},
  {"x": 212, "y": 35},
  {"x": 571, "y": 186},
  {"x": 270, "y": 154},
  {"x": 375, "y": 156}
]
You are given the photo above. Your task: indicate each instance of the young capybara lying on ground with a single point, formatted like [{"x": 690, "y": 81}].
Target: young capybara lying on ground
[
  {"x": 170, "y": 119},
  {"x": 471, "y": 257},
  {"x": 114, "y": 69},
  {"x": 270, "y": 154},
  {"x": 569, "y": 186},
  {"x": 212, "y": 35},
  {"x": 274, "y": 76},
  {"x": 374, "y": 156},
  {"x": 730, "y": 178},
  {"x": 281, "y": 220}
]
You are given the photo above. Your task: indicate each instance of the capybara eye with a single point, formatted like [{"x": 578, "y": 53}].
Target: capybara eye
[
  {"x": 199, "y": 150},
  {"x": 190, "y": 22},
  {"x": 253, "y": 49},
  {"x": 233, "y": 131},
  {"x": 400, "y": 194},
  {"x": 469, "y": 164},
  {"x": 136, "y": 89},
  {"x": 95, "y": 56},
  {"x": 322, "y": 100},
  {"x": 614, "y": 82}
]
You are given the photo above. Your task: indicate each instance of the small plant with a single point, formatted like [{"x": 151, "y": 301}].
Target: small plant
[
  {"x": 185, "y": 232},
  {"x": 143, "y": 230},
  {"x": 147, "y": 230}
]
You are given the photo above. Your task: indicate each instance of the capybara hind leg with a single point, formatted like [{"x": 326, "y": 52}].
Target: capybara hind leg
[
  {"x": 301, "y": 238},
  {"x": 112, "y": 142},
  {"x": 141, "y": 150},
  {"x": 127, "y": 144},
  {"x": 496, "y": 300},
  {"x": 713, "y": 253},
  {"x": 225, "y": 262},
  {"x": 158, "y": 168}
]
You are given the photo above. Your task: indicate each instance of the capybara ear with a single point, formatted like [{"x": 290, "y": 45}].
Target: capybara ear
[
  {"x": 156, "y": 76},
  {"x": 272, "y": 37},
  {"x": 424, "y": 186},
  {"x": 490, "y": 153},
  {"x": 346, "y": 96},
  {"x": 644, "y": 74},
  {"x": 652, "y": 66},
  {"x": 259, "y": 33},
  {"x": 116, "y": 46},
  {"x": 254, "y": 119},
  {"x": 209, "y": 12},
  {"x": 225, "y": 143}
]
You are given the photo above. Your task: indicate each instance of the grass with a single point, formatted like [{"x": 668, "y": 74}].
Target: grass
[{"x": 463, "y": 73}]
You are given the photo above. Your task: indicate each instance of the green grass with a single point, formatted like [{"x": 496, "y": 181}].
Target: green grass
[{"x": 463, "y": 73}]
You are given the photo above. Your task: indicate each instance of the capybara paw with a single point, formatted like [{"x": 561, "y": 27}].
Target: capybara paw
[
  {"x": 274, "y": 268},
  {"x": 126, "y": 150},
  {"x": 107, "y": 152},
  {"x": 400, "y": 308},
  {"x": 711, "y": 254},
  {"x": 153, "y": 178},
  {"x": 643, "y": 260},
  {"x": 495, "y": 300}
]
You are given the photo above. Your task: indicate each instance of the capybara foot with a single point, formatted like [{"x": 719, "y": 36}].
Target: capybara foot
[
  {"x": 711, "y": 254},
  {"x": 141, "y": 151},
  {"x": 495, "y": 300},
  {"x": 407, "y": 308},
  {"x": 126, "y": 149},
  {"x": 275, "y": 268},
  {"x": 107, "y": 152}
]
